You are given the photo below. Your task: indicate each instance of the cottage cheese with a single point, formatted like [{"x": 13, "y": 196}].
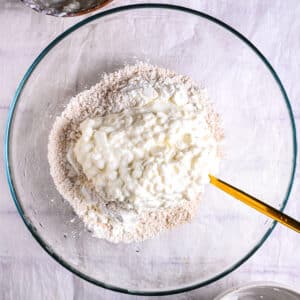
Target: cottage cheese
[{"x": 152, "y": 156}]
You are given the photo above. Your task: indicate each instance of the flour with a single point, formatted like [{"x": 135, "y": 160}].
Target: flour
[{"x": 132, "y": 193}]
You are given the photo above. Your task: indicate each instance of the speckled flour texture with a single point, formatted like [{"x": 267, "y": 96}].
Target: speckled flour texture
[{"x": 102, "y": 99}]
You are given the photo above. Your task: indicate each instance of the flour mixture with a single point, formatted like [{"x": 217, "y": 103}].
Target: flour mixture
[{"x": 133, "y": 153}]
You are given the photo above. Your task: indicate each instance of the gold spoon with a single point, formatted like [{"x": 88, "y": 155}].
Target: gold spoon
[{"x": 260, "y": 206}]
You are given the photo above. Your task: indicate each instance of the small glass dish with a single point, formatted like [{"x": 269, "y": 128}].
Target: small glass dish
[
  {"x": 260, "y": 146},
  {"x": 260, "y": 291}
]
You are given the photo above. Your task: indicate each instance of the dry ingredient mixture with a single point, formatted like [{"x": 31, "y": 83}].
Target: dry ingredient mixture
[{"x": 133, "y": 153}]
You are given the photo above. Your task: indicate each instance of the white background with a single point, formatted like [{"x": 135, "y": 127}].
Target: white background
[{"x": 26, "y": 271}]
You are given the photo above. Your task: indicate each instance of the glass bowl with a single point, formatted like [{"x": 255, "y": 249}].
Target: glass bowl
[
  {"x": 259, "y": 146},
  {"x": 260, "y": 290}
]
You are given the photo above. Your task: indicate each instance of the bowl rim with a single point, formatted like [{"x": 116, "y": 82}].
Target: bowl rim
[{"x": 22, "y": 84}]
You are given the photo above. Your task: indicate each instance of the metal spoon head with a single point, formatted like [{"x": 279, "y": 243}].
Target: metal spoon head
[{"x": 65, "y": 8}]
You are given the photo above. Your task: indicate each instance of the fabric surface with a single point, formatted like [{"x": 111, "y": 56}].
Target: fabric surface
[{"x": 26, "y": 270}]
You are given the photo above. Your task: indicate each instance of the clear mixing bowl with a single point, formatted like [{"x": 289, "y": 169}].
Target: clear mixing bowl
[{"x": 259, "y": 146}]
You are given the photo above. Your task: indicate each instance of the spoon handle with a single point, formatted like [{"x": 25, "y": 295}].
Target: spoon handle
[{"x": 260, "y": 206}]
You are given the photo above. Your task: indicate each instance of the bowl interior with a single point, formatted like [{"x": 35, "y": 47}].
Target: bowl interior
[{"x": 259, "y": 146}]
